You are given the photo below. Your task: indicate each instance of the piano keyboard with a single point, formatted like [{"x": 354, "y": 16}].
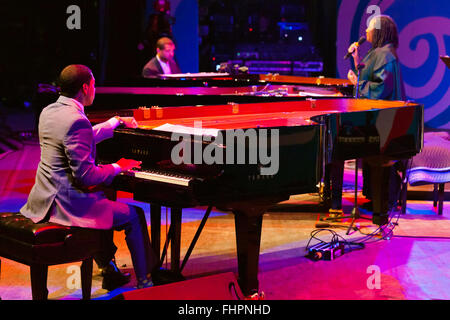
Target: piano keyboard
[{"x": 160, "y": 177}]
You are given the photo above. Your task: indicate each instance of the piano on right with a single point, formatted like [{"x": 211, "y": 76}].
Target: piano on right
[{"x": 284, "y": 147}]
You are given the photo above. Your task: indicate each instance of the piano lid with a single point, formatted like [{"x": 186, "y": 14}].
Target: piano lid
[
  {"x": 258, "y": 111},
  {"x": 197, "y": 75},
  {"x": 254, "y": 90}
]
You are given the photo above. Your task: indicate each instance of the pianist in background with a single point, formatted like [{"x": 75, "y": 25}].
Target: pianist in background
[
  {"x": 380, "y": 78},
  {"x": 68, "y": 185},
  {"x": 163, "y": 62}
]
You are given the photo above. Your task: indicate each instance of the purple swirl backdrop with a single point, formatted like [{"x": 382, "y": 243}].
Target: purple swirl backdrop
[{"x": 424, "y": 35}]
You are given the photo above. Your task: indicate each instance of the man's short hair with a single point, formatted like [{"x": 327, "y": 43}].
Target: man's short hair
[
  {"x": 72, "y": 78},
  {"x": 162, "y": 42}
]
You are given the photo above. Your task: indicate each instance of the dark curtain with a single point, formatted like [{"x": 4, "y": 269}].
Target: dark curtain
[{"x": 322, "y": 19}]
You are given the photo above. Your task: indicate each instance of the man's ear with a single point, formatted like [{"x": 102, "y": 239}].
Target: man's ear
[{"x": 85, "y": 88}]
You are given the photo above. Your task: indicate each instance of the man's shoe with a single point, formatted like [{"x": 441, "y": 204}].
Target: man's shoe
[
  {"x": 368, "y": 206},
  {"x": 142, "y": 284},
  {"x": 114, "y": 278},
  {"x": 163, "y": 276}
]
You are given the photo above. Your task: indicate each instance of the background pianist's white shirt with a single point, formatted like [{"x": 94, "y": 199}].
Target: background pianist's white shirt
[{"x": 164, "y": 66}]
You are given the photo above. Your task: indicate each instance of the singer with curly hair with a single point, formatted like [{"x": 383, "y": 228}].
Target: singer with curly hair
[{"x": 380, "y": 76}]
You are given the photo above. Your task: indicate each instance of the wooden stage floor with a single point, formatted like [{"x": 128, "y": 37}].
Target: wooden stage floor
[{"x": 413, "y": 263}]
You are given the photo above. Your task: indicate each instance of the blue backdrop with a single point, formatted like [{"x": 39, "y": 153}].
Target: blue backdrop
[
  {"x": 185, "y": 33},
  {"x": 424, "y": 35}
]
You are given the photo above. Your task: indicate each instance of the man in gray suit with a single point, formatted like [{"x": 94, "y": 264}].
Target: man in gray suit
[{"x": 68, "y": 185}]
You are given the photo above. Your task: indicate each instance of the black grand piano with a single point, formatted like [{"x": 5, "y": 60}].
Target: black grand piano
[{"x": 302, "y": 135}]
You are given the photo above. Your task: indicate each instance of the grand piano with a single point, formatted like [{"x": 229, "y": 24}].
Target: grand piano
[
  {"x": 210, "y": 89},
  {"x": 186, "y": 163}
]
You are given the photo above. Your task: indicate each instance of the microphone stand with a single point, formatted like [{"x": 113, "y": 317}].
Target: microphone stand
[
  {"x": 359, "y": 67},
  {"x": 355, "y": 212}
]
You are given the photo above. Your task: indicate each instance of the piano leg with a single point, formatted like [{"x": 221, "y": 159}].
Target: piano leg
[
  {"x": 155, "y": 220},
  {"x": 337, "y": 179},
  {"x": 384, "y": 186},
  {"x": 175, "y": 241},
  {"x": 379, "y": 181},
  {"x": 161, "y": 275},
  {"x": 248, "y": 223},
  {"x": 326, "y": 193},
  {"x": 173, "y": 238},
  {"x": 248, "y": 238}
]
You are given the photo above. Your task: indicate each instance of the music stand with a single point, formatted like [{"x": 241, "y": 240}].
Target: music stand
[{"x": 355, "y": 211}]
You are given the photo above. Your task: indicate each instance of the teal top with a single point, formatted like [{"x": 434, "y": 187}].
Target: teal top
[{"x": 381, "y": 77}]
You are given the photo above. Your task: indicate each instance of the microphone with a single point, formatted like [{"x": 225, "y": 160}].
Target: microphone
[{"x": 360, "y": 42}]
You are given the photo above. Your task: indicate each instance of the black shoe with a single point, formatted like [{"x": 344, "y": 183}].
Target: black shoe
[
  {"x": 142, "y": 284},
  {"x": 113, "y": 278},
  {"x": 163, "y": 276},
  {"x": 368, "y": 206},
  {"x": 393, "y": 204}
]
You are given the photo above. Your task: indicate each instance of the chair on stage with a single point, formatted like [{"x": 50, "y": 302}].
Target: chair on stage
[{"x": 430, "y": 166}]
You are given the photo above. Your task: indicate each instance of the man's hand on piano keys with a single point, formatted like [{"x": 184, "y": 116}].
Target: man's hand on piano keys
[
  {"x": 129, "y": 122},
  {"x": 128, "y": 164}
]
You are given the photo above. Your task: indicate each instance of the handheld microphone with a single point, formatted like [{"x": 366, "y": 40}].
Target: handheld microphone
[{"x": 360, "y": 42}]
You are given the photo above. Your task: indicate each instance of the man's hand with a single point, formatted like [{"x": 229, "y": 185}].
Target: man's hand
[
  {"x": 128, "y": 164},
  {"x": 128, "y": 122}
]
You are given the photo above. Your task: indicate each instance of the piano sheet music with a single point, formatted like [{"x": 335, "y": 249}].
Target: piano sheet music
[{"x": 175, "y": 128}]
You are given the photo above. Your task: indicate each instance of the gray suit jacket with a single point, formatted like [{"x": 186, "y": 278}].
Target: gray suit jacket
[{"x": 64, "y": 191}]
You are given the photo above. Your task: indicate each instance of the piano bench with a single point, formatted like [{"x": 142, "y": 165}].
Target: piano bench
[{"x": 40, "y": 245}]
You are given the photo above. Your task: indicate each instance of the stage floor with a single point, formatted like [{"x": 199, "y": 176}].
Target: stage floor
[{"x": 413, "y": 263}]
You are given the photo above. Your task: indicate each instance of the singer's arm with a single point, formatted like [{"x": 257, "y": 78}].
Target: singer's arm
[
  {"x": 380, "y": 84},
  {"x": 354, "y": 50},
  {"x": 352, "y": 77},
  {"x": 381, "y": 76}
]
